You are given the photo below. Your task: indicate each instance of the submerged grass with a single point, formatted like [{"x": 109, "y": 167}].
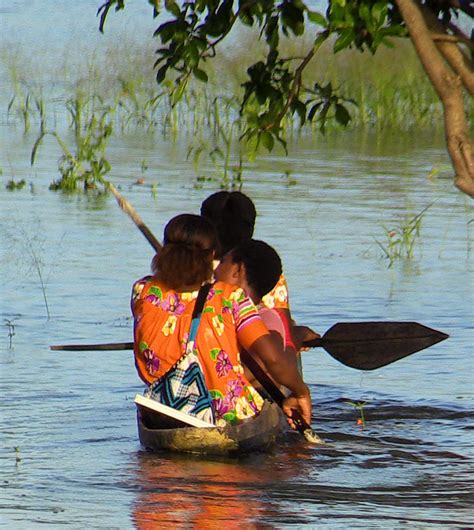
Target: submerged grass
[
  {"x": 390, "y": 88},
  {"x": 11, "y": 331},
  {"x": 401, "y": 239}
]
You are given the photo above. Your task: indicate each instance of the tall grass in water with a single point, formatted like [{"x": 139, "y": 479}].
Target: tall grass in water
[
  {"x": 401, "y": 239},
  {"x": 86, "y": 163},
  {"x": 390, "y": 88}
]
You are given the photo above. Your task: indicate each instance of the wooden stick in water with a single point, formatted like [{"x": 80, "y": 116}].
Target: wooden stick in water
[{"x": 132, "y": 213}]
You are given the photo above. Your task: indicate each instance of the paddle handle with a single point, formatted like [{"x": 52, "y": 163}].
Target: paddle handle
[
  {"x": 132, "y": 213},
  {"x": 314, "y": 343},
  {"x": 93, "y": 347}
]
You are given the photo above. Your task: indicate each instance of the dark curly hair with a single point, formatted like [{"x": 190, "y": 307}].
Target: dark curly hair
[
  {"x": 262, "y": 264},
  {"x": 189, "y": 244},
  {"x": 233, "y": 214}
]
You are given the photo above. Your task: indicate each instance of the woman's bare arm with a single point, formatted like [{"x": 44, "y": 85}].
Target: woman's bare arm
[{"x": 284, "y": 370}]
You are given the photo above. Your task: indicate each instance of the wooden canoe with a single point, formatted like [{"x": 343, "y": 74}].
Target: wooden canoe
[{"x": 158, "y": 432}]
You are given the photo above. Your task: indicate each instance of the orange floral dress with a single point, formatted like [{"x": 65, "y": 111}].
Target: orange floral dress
[
  {"x": 162, "y": 320},
  {"x": 278, "y": 297}
]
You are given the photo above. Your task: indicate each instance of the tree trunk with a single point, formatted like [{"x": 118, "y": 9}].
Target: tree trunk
[{"x": 449, "y": 88}]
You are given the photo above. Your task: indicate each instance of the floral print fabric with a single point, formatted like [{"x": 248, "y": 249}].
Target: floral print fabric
[
  {"x": 277, "y": 298},
  {"x": 162, "y": 320}
]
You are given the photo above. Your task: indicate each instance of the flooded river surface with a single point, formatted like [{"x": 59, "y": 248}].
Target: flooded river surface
[{"x": 69, "y": 452}]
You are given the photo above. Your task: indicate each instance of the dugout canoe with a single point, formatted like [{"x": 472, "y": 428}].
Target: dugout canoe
[{"x": 161, "y": 433}]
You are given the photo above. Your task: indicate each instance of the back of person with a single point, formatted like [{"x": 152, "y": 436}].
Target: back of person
[
  {"x": 233, "y": 214},
  {"x": 205, "y": 375},
  {"x": 256, "y": 266},
  {"x": 228, "y": 318}
]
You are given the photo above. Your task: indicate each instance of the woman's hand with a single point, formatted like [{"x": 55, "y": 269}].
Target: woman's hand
[
  {"x": 300, "y": 403},
  {"x": 302, "y": 334}
]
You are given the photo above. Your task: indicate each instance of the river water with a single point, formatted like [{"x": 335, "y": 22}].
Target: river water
[{"x": 69, "y": 452}]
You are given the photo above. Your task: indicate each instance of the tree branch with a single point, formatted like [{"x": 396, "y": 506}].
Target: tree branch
[
  {"x": 448, "y": 87},
  {"x": 457, "y": 60}
]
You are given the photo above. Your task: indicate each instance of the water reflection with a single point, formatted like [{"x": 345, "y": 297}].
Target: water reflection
[{"x": 192, "y": 491}]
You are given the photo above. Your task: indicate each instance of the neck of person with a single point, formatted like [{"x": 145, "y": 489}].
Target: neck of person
[
  {"x": 256, "y": 299},
  {"x": 183, "y": 288}
]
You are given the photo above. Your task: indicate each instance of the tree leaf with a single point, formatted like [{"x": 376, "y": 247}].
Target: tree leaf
[
  {"x": 161, "y": 74},
  {"x": 342, "y": 115},
  {"x": 317, "y": 18},
  {"x": 200, "y": 74},
  {"x": 379, "y": 12},
  {"x": 344, "y": 40},
  {"x": 267, "y": 140}
]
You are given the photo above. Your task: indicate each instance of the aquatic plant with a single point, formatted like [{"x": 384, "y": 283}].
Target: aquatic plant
[
  {"x": 225, "y": 137},
  {"x": 25, "y": 104},
  {"x": 32, "y": 247},
  {"x": 289, "y": 179},
  {"x": 359, "y": 405},
  {"x": 93, "y": 126},
  {"x": 11, "y": 331},
  {"x": 13, "y": 185},
  {"x": 401, "y": 239}
]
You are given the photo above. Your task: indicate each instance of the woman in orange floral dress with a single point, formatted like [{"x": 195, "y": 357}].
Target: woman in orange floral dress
[{"x": 162, "y": 306}]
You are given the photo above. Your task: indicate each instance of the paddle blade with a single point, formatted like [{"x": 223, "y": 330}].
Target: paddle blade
[{"x": 371, "y": 345}]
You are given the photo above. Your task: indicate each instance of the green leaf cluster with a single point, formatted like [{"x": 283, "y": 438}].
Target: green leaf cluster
[
  {"x": 87, "y": 164},
  {"x": 191, "y": 31},
  {"x": 364, "y": 24}
]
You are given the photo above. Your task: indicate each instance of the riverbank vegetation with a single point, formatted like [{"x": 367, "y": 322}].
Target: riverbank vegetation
[
  {"x": 84, "y": 104},
  {"x": 274, "y": 89}
]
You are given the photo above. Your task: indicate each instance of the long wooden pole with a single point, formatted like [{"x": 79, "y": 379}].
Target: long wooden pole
[{"x": 132, "y": 213}]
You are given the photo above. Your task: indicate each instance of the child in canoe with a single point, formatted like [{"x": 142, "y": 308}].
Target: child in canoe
[
  {"x": 256, "y": 267},
  {"x": 233, "y": 214},
  {"x": 205, "y": 378}
]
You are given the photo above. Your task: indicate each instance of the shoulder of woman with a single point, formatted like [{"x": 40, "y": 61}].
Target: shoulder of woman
[
  {"x": 229, "y": 291},
  {"x": 139, "y": 285}
]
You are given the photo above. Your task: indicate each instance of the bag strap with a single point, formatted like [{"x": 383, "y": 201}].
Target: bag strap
[{"x": 201, "y": 299}]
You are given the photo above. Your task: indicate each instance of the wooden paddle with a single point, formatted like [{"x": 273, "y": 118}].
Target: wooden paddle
[
  {"x": 132, "y": 213},
  {"x": 360, "y": 345},
  {"x": 371, "y": 345}
]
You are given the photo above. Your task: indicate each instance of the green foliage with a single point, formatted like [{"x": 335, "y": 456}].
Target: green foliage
[
  {"x": 11, "y": 330},
  {"x": 274, "y": 88},
  {"x": 401, "y": 239},
  {"x": 226, "y": 132},
  {"x": 87, "y": 166},
  {"x": 27, "y": 107},
  {"x": 359, "y": 405},
  {"x": 13, "y": 185},
  {"x": 364, "y": 24},
  {"x": 323, "y": 101}
]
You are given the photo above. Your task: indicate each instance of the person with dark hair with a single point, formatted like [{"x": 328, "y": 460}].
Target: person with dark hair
[
  {"x": 256, "y": 267},
  {"x": 162, "y": 306},
  {"x": 233, "y": 214}
]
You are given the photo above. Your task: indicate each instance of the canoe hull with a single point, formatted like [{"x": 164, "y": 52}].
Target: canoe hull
[{"x": 258, "y": 434}]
